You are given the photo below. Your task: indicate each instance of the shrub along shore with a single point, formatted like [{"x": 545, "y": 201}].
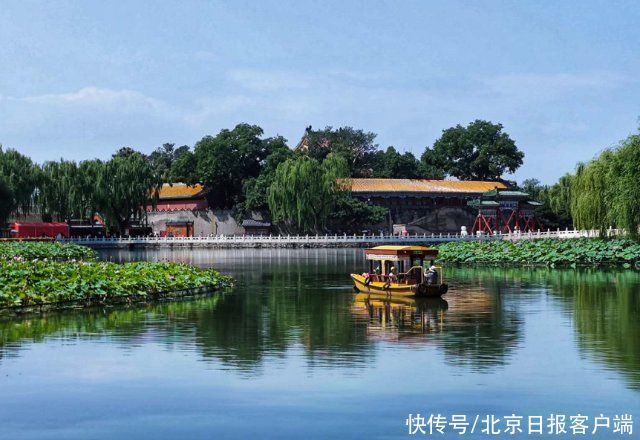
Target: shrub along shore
[
  {"x": 37, "y": 276},
  {"x": 545, "y": 252}
]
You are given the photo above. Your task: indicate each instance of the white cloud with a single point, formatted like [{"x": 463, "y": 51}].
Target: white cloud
[
  {"x": 94, "y": 96},
  {"x": 536, "y": 87},
  {"x": 94, "y": 121}
]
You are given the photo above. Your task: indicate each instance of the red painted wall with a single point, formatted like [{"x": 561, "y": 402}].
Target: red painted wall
[{"x": 26, "y": 230}]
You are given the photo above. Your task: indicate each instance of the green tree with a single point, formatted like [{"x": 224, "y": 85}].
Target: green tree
[
  {"x": 255, "y": 188},
  {"x": 59, "y": 190},
  {"x": 623, "y": 193},
  {"x": 352, "y": 215},
  {"x": 87, "y": 191},
  {"x": 225, "y": 161},
  {"x": 554, "y": 211},
  {"x": 173, "y": 165},
  {"x": 308, "y": 196},
  {"x": 590, "y": 201},
  {"x": 606, "y": 190},
  {"x": 355, "y": 146},
  {"x": 6, "y": 201},
  {"x": 479, "y": 151},
  {"x": 393, "y": 165},
  {"x": 302, "y": 193},
  {"x": 183, "y": 167},
  {"x": 20, "y": 178},
  {"x": 125, "y": 185},
  {"x": 533, "y": 187}
]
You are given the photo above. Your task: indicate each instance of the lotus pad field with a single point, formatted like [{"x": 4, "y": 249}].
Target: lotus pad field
[
  {"x": 549, "y": 252},
  {"x": 41, "y": 250},
  {"x": 49, "y": 273}
]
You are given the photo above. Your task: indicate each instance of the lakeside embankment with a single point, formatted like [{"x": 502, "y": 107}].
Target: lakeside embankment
[{"x": 40, "y": 276}]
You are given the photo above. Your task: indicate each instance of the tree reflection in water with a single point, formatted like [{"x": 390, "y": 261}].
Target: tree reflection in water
[{"x": 301, "y": 302}]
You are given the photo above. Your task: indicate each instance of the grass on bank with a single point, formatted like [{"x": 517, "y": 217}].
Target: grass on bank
[
  {"x": 47, "y": 273},
  {"x": 548, "y": 252}
]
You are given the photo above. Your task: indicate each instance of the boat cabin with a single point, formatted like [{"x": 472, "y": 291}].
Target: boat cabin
[
  {"x": 408, "y": 261},
  {"x": 400, "y": 257}
]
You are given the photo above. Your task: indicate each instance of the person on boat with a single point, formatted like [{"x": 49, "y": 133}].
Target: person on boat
[
  {"x": 393, "y": 275},
  {"x": 391, "y": 278},
  {"x": 432, "y": 275}
]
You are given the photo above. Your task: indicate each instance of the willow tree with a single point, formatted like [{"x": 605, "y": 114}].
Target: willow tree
[
  {"x": 20, "y": 177},
  {"x": 590, "y": 193},
  {"x": 58, "y": 195},
  {"x": 87, "y": 200},
  {"x": 555, "y": 211},
  {"x": 606, "y": 190},
  {"x": 6, "y": 197},
  {"x": 125, "y": 185},
  {"x": 304, "y": 190},
  {"x": 624, "y": 186}
]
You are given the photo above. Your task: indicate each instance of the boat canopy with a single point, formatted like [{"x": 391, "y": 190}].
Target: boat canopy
[{"x": 395, "y": 253}]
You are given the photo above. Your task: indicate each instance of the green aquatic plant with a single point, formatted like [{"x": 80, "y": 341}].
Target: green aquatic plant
[
  {"x": 623, "y": 252},
  {"x": 25, "y": 283},
  {"x": 41, "y": 250}
]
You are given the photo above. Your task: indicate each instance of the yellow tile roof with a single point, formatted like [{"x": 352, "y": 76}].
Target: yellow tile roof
[
  {"x": 402, "y": 248},
  {"x": 423, "y": 185},
  {"x": 179, "y": 191}
]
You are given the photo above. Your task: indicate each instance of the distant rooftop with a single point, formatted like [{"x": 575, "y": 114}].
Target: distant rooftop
[
  {"x": 170, "y": 191},
  {"x": 422, "y": 186},
  {"x": 255, "y": 224}
]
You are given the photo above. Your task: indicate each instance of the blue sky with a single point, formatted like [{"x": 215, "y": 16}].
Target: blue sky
[{"x": 80, "y": 79}]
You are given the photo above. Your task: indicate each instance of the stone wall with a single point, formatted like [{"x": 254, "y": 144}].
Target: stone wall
[
  {"x": 437, "y": 220},
  {"x": 205, "y": 222},
  {"x": 432, "y": 219}
]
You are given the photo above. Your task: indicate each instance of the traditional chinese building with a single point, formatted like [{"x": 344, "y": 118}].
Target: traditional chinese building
[
  {"x": 431, "y": 206},
  {"x": 502, "y": 210},
  {"x": 180, "y": 197},
  {"x": 183, "y": 211},
  {"x": 256, "y": 227}
]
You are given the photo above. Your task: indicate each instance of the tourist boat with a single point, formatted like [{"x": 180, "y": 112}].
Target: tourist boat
[{"x": 400, "y": 271}]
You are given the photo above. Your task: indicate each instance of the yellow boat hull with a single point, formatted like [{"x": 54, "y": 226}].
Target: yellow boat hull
[{"x": 396, "y": 289}]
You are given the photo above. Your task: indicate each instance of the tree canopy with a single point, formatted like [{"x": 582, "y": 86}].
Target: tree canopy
[
  {"x": 556, "y": 200},
  {"x": 354, "y": 145},
  {"x": 59, "y": 190},
  {"x": 479, "y": 151},
  {"x": 308, "y": 195},
  {"x": 393, "y": 165},
  {"x": 255, "y": 188},
  {"x": 19, "y": 178},
  {"x": 171, "y": 164},
  {"x": 606, "y": 190},
  {"x": 300, "y": 195},
  {"x": 225, "y": 161},
  {"x": 125, "y": 185}
]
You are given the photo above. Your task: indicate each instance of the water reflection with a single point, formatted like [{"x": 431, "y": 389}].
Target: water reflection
[
  {"x": 399, "y": 319},
  {"x": 299, "y": 304},
  {"x": 605, "y": 307}
]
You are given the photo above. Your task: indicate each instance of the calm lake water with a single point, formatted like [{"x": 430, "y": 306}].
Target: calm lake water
[{"x": 293, "y": 352}]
